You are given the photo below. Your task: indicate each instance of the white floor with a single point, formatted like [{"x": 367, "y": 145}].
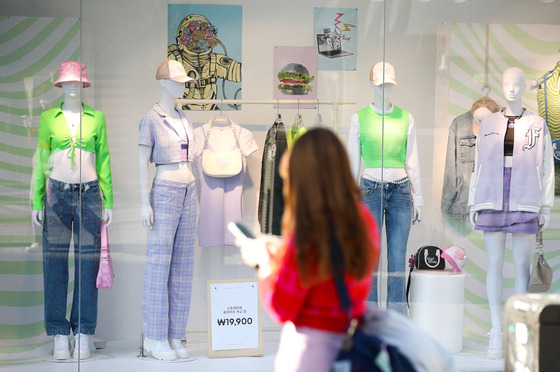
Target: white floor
[{"x": 123, "y": 356}]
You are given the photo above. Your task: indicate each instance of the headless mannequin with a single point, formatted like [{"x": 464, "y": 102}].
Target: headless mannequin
[
  {"x": 176, "y": 172},
  {"x": 381, "y": 102},
  {"x": 513, "y": 85},
  {"x": 61, "y": 164}
]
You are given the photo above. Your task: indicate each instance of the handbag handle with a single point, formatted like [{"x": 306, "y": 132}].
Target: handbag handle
[
  {"x": 105, "y": 251},
  {"x": 426, "y": 259},
  {"x": 337, "y": 265}
]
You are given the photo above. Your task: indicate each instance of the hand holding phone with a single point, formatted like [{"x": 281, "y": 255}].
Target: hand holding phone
[{"x": 240, "y": 231}]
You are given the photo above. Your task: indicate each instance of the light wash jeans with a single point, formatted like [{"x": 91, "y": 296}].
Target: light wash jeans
[
  {"x": 391, "y": 202},
  {"x": 71, "y": 209}
]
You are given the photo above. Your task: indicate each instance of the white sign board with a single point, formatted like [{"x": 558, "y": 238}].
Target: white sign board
[{"x": 234, "y": 318}]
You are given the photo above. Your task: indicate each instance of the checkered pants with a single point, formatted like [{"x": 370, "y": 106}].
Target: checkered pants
[{"x": 169, "y": 260}]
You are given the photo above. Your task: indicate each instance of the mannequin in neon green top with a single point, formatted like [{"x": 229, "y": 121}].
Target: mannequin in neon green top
[
  {"x": 72, "y": 169},
  {"x": 58, "y": 150}
]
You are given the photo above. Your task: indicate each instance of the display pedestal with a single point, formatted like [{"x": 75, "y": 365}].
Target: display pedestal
[{"x": 436, "y": 305}]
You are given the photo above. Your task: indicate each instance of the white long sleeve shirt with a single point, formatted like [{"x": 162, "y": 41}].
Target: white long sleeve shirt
[{"x": 412, "y": 163}]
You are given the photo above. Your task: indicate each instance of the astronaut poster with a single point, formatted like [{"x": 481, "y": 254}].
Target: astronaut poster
[
  {"x": 206, "y": 39},
  {"x": 335, "y": 35}
]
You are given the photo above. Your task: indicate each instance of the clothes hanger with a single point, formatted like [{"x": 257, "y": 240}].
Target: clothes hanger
[
  {"x": 278, "y": 116},
  {"x": 318, "y": 117},
  {"x": 222, "y": 120},
  {"x": 298, "y": 121}
]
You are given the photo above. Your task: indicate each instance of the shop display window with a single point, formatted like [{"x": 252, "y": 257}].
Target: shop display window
[{"x": 86, "y": 87}]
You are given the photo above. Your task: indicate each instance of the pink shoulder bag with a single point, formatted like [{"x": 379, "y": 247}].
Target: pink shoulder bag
[{"x": 105, "y": 274}]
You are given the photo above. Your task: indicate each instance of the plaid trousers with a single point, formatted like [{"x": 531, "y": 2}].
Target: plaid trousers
[{"x": 169, "y": 260}]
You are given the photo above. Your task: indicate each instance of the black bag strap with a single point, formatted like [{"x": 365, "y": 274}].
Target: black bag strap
[{"x": 337, "y": 265}]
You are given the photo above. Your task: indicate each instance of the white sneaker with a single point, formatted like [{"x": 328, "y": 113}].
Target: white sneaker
[
  {"x": 495, "y": 346},
  {"x": 180, "y": 350},
  {"x": 83, "y": 342},
  {"x": 160, "y": 349},
  {"x": 61, "y": 347}
]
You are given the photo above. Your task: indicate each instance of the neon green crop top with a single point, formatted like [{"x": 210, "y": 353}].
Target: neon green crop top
[
  {"x": 393, "y": 142},
  {"x": 54, "y": 135}
]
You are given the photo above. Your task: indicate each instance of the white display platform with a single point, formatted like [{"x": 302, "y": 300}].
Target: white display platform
[{"x": 436, "y": 305}]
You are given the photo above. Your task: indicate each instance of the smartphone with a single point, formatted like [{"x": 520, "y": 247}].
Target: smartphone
[{"x": 240, "y": 231}]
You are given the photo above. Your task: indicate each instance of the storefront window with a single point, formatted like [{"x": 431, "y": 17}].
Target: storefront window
[{"x": 405, "y": 85}]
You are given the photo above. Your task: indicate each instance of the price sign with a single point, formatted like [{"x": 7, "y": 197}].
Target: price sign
[{"x": 234, "y": 318}]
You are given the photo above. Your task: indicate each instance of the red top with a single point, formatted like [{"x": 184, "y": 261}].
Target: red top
[{"x": 317, "y": 306}]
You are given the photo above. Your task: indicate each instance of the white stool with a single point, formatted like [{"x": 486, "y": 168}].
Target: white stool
[{"x": 436, "y": 305}]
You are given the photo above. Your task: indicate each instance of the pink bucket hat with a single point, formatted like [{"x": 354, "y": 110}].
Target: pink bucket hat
[
  {"x": 70, "y": 71},
  {"x": 456, "y": 257}
]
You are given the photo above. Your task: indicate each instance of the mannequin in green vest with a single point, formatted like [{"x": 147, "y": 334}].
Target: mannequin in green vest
[{"x": 384, "y": 137}]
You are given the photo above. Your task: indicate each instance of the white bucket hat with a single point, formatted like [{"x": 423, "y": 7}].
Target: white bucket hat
[{"x": 455, "y": 256}]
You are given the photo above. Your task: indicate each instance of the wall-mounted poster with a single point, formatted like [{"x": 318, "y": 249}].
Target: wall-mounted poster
[
  {"x": 336, "y": 38},
  {"x": 295, "y": 74},
  {"x": 206, "y": 39}
]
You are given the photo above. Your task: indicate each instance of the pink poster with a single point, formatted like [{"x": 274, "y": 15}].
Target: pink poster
[{"x": 295, "y": 75}]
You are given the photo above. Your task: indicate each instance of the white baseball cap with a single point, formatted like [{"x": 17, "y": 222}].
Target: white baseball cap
[
  {"x": 379, "y": 76},
  {"x": 173, "y": 70}
]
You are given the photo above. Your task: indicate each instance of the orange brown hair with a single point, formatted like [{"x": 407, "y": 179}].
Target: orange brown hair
[{"x": 320, "y": 192}]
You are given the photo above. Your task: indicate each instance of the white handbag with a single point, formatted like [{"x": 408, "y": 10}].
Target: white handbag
[{"x": 221, "y": 164}]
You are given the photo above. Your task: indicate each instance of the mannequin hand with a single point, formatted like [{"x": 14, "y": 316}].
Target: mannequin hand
[
  {"x": 37, "y": 217},
  {"x": 108, "y": 216},
  {"x": 473, "y": 216},
  {"x": 147, "y": 215},
  {"x": 544, "y": 219},
  {"x": 416, "y": 215}
]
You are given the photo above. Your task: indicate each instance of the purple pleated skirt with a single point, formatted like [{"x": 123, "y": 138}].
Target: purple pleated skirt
[{"x": 505, "y": 220}]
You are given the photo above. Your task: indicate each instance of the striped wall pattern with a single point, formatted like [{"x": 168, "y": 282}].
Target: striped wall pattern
[
  {"x": 31, "y": 49},
  {"x": 533, "y": 48}
]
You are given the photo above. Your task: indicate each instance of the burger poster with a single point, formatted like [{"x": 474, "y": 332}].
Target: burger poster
[{"x": 295, "y": 74}]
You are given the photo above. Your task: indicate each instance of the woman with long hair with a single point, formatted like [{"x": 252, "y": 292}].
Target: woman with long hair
[{"x": 295, "y": 273}]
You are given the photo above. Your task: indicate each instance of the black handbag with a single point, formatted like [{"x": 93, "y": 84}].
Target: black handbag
[
  {"x": 361, "y": 352},
  {"x": 427, "y": 257}
]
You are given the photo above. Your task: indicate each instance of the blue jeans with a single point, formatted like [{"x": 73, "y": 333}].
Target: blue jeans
[
  {"x": 71, "y": 208},
  {"x": 391, "y": 202}
]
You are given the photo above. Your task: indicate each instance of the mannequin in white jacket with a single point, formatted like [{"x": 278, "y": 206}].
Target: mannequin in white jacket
[{"x": 523, "y": 223}]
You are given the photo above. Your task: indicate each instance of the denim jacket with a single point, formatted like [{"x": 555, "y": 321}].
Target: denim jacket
[
  {"x": 532, "y": 171},
  {"x": 458, "y": 167}
]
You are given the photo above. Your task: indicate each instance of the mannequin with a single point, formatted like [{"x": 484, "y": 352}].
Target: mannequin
[
  {"x": 169, "y": 213},
  {"x": 517, "y": 203},
  {"x": 460, "y": 158},
  {"x": 392, "y": 176},
  {"x": 72, "y": 167}
]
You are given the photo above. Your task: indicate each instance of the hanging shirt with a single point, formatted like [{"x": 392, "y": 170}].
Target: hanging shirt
[
  {"x": 221, "y": 199},
  {"x": 271, "y": 200}
]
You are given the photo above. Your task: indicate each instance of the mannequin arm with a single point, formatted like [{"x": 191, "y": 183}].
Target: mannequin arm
[
  {"x": 108, "y": 216},
  {"x": 544, "y": 219},
  {"x": 37, "y": 217},
  {"x": 146, "y": 212},
  {"x": 473, "y": 217},
  {"x": 417, "y": 214}
]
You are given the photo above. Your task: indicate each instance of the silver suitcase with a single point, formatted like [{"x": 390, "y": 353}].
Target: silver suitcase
[{"x": 532, "y": 335}]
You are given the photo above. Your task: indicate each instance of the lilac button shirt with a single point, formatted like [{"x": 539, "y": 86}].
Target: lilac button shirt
[{"x": 159, "y": 134}]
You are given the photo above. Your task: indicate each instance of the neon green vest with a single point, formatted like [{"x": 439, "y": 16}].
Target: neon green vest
[{"x": 393, "y": 142}]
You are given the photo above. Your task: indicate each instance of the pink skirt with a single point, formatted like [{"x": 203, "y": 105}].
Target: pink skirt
[{"x": 304, "y": 349}]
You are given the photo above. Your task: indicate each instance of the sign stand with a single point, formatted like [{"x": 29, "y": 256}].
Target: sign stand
[{"x": 234, "y": 322}]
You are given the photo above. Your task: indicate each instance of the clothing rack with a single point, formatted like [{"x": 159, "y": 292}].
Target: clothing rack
[{"x": 334, "y": 102}]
